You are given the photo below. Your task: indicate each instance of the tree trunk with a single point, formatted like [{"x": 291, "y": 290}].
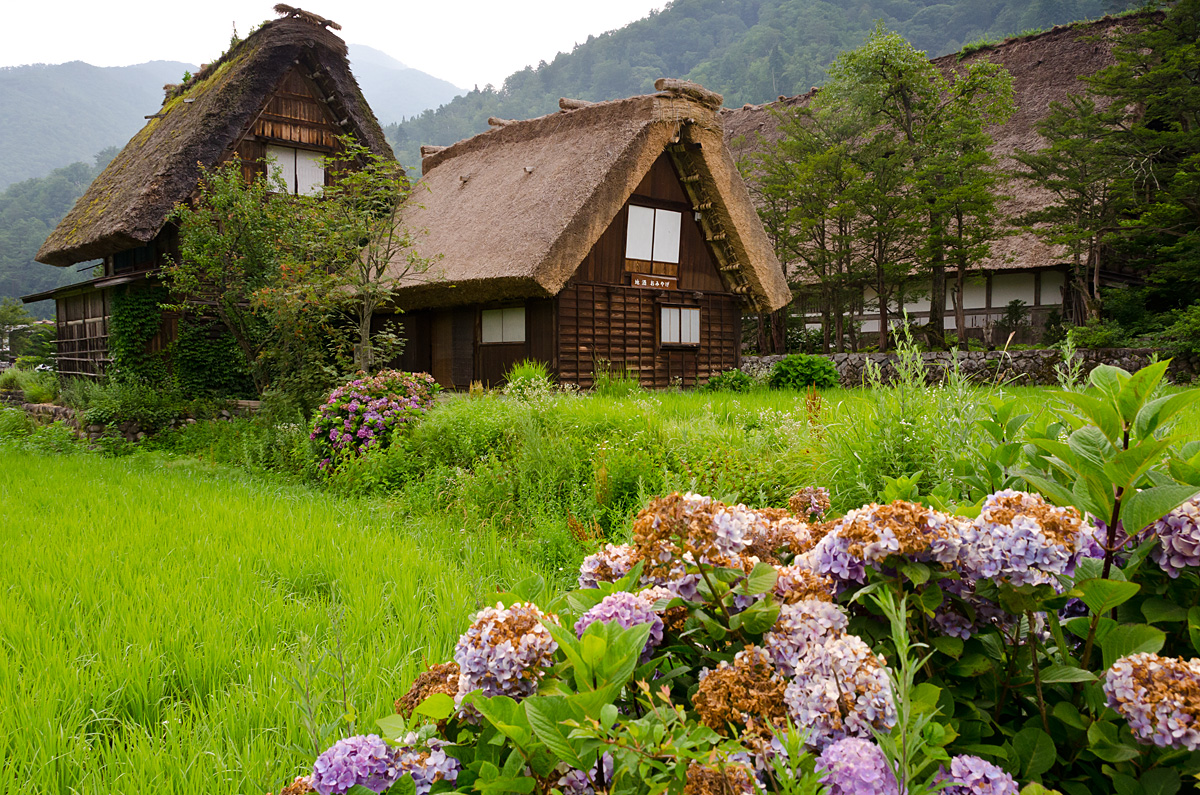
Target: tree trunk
[
  {"x": 779, "y": 320},
  {"x": 937, "y": 294},
  {"x": 881, "y": 297}
]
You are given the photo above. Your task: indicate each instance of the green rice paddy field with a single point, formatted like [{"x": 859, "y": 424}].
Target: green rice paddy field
[{"x": 158, "y": 613}]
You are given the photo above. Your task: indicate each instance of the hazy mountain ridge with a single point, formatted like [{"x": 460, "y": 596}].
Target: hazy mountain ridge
[{"x": 749, "y": 50}]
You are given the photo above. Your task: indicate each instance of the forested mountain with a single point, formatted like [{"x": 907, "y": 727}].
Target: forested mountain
[
  {"x": 58, "y": 114},
  {"x": 29, "y": 210},
  {"x": 749, "y": 50}
]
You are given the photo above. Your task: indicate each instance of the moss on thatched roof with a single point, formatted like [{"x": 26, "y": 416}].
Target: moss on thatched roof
[
  {"x": 200, "y": 120},
  {"x": 512, "y": 212},
  {"x": 1046, "y": 67}
]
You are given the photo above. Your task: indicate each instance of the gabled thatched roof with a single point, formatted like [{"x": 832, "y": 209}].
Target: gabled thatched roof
[
  {"x": 199, "y": 122},
  {"x": 1046, "y": 68},
  {"x": 512, "y": 212}
]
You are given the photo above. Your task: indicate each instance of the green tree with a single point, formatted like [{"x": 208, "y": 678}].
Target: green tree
[
  {"x": 13, "y": 315},
  {"x": 804, "y": 189},
  {"x": 1083, "y": 169},
  {"x": 931, "y": 121},
  {"x": 1155, "y": 75}
]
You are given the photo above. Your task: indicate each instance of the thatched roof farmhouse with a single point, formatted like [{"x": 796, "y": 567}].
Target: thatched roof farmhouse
[
  {"x": 285, "y": 91},
  {"x": 1046, "y": 68},
  {"x": 615, "y": 232}
]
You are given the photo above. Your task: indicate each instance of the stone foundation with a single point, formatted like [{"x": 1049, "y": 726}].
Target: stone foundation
[{"x": 1021, "y": 368}]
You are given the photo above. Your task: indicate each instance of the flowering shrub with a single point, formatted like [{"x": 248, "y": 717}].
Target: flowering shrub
[
  {"x": 363, "y": 414},
  {"x": 910, "y": 646}
]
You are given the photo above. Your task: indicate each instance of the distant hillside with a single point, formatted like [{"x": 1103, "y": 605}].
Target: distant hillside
[
  {"x": 61, "y": 114},
  {"x": 394, "y": 90},
  {"x": 751, "y": 51},
  {"x": 53, "y": 116},
  {"x": 29, "y": 210}
]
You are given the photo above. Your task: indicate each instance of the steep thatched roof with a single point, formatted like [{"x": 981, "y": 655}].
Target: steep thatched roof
[
  {"x": 199, "y": 122},
  {"x": 1046, "y": 68},
  {"x": 512, "y": 212}
]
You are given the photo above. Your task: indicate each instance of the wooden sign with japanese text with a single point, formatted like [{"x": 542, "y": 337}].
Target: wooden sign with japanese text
[{"x": 651, "y": 282}]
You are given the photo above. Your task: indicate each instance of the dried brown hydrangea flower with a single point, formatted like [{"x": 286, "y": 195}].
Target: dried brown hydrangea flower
[
  {"x": 747, "y": 694},
  {"x": 708, "y": 780},
  {"x": 301, "y": 786},
  {"x": 442, "y": 678}
]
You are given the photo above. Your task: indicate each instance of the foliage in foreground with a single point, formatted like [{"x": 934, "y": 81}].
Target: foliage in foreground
[{"x": 919, "y": 647}]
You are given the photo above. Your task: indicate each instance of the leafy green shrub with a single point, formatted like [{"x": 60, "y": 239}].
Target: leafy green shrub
[
  {"x": 687, "y": 657},
  {"x": 528, "y": 381},
  {"x": 9, "y": 380},
  {"x": 729, "y": 381},
  {"x": 15, "y": 423},
  {"x": 40, "y": 386},
  {"x": 800, "y": 371},
  {"x": 1099, "y": 334},
  {"x": 115, "y": 402},
  {"x": 1182, "y": 336}
]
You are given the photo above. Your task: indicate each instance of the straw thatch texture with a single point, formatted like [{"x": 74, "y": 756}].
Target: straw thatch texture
[
  {"x": 512, "y": 212},
  {"x": 129, "y": 202},
  {"x": 1046, "y": 68}
]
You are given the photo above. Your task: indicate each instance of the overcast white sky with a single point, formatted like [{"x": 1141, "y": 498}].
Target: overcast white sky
[{"x": 467, "y": 42}]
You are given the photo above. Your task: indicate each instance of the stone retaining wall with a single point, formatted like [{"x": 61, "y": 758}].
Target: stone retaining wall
[{"x": 1025, "y": 368}]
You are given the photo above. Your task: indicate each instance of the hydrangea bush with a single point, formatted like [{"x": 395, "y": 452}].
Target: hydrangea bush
[
  {"x": 364, "y": 414},
  {"x": 1002, "y": 642}
]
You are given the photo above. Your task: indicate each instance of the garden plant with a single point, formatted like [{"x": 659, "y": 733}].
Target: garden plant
[{"x": 1035, "y": 639}]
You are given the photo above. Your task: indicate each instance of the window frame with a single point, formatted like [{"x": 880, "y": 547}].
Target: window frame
[
  {"x": 483, "y": 340},
  {"x": 654, "y": 234},
  {"x": 291, "y": 176},
  {"x": 679, "y": 309}
]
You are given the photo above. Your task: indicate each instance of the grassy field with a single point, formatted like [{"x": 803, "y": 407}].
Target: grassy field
[
  {"x": 160, "y": 610},
  {"x": 154, "y": 611}
]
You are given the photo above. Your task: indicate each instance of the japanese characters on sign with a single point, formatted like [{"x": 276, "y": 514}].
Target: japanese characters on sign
[{"x": 651, "y": 282}]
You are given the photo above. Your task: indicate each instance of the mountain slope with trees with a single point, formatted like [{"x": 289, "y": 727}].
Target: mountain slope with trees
[{"x": 749, "y": 50}]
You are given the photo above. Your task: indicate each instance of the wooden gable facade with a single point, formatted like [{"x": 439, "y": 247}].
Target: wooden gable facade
[
  {"x": 280, "y": 97},
  {"x": 610, "y": 313}
]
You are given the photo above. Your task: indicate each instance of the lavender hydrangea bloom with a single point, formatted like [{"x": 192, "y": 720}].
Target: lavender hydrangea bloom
[
  {"x": 801, "y": 626},
  {"x": 608, "y": 565},
  {"x": 840, "y": 689},
  {"x": 580, "y": 782},
  {"x": 1179, "y": 538},
  {"x": 628, "y": 610},
  {"x": 1021, "y": 538},
  {"x": 506, "y": 651},
  {"x": 970, "y": 775},
  {"x": 367, "y": 761},
  {"x": 428, "y": 767},
  {"x": 854, "y": 766},
  {"x": 1159, "y": 697}
]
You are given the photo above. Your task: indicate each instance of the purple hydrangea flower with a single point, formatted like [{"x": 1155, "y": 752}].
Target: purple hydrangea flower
[
  {"x": 801, "y": 626},
  {"x": 1021, "y": 538},
  {"x": 580, "y": 782},
  {"x": 506, "y": 651},
  {"x": 1178, "y": 537},
  {"x": 840, "y": 689},
  {"x": 854, "y": 766},
  {"x": 970, "y": 775},
  {"x": 367, "y": 761},
  {"x": 608, "y": 565},
  {"x": 628, "y": 610},
  {"x": 428, "y": 767},
  {"x": 1156, "y": 695}
]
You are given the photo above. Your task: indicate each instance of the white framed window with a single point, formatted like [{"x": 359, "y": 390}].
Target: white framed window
[
  {"x": 504, "y": 325},
  {"x": 680, "y": 325},
  {"x": 300, "y": 169},
  {"x": 653, "y": 235}
]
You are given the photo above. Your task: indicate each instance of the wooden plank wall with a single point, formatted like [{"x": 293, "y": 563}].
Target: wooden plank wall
[
  {"x": 621, "y": 327},
  {"x": 82, "y": 345},
  {"x": 601, "y": 317}
]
